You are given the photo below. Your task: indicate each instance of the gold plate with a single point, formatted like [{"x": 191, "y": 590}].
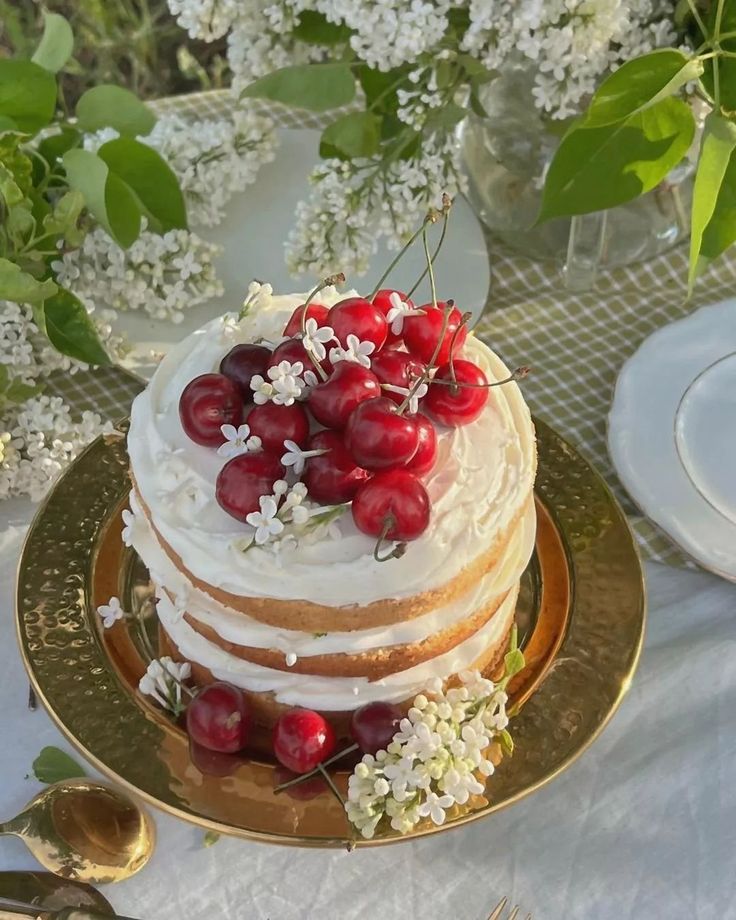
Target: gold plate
[{"x": 581, "y": 616}]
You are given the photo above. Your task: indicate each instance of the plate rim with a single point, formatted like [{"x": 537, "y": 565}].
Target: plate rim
[{"x": 340, "y": 842}]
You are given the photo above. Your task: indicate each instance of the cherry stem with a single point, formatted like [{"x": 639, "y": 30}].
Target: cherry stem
[
  {"x": 397, "y": 258},
  {"x": 430, "y": 267},
  {"x": 331, "y": 280},
  {"x": 328, "y": 779},
  {"x": 463, "y": 320},
  {"x": 433, "y": 360},
  {"x": 519, "y": 374},
  {"x": 434, "y": 255},
  {"x": 325, "y": 763},
  {"x": 397, "y": 551}
]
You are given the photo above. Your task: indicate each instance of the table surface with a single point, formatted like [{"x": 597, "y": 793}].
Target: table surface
[{"x": 643, "y": 825}]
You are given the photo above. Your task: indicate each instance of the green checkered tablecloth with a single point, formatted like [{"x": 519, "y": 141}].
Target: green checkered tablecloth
[{"x": 575, "y": 342}]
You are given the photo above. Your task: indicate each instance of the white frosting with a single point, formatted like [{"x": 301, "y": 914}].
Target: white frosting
[
  {"x": 240, "y": 629},
  {"x": 331, "y": 693},
  {"x": 483, "y": 477}
]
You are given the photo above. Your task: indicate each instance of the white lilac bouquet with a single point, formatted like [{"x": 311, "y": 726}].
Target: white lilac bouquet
[{"x": 405, "y": 73}]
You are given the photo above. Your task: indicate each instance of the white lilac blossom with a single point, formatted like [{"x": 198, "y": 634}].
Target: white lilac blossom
[
  {"x": 110, "y": 612},
  {"x": 398, "y": 311},
  {"x": 440, "y": 755},
  {"x": 284, "y": 386},
  {"x": 163, "y": 275},
  {"x": 354, "y": 350},
  {"x": 266, "y": 522},
  {"x": 238, "y": 441},
  {"x": 415, "y": 393},
  {"x": 44, "y": 438},
  {"x": 316, "y": 338},
  {"x": 163, "y": 681},
  {"x": 296, "y": 458},
  {"x": 129, "y": 523}
]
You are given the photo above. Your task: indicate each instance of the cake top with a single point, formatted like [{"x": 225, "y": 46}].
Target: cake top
[{"x": 343, "y": 454}]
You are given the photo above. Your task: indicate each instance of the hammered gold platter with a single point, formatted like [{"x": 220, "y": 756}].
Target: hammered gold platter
[{"x": 580, "y": 615}]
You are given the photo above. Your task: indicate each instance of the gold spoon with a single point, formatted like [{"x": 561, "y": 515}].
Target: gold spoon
[{"x": 85, "y": 830}]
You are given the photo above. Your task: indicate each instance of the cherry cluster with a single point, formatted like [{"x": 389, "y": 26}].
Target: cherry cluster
[
  {"x": 219, "y": 720},
  {"x": 371, "y": 443}
]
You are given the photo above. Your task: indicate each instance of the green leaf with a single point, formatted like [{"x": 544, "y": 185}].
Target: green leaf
[
  {"x": 357, "y": 134},
  {"x": 445, "y": 118},
  {"x": 717, "y": 146},
  {"x": 598, "y": 168},
  {"x": 106, "y": 196},
  {"x": 20, "y": 224},
  {"x": 7, "y": 124},
  {"x": 315, "y": 29},
  {"x": 316, "y": 87},
  {"x": 17, "y": 392},
  {"x": 147, "y": 174},
  {"x": 56, "y": 45},
  {"x": 513, "y": 662},
  {"x": 476, "y": 106},
  {"x": 506, "y": 741},
  {"x": 379, "y": 87},
  {"x": 108, "y": 106},
  {"x": 66, "y": 213},
  {"x": 54, "y": 147},
  {"x": 721, "y": 230},
  {"x": 640, "y": 83},
  {"x": 27, "y": 94},
  {"x": 726, "y": 66},
  {"x": 20, "y": 287},
  {"x": 70, "y": 329},
  {"x": 53, "y": 765},
  {"x": 210, "y": 838},
  {"x": 38, "y": 317},
  {"x": 9, "y": 188}
]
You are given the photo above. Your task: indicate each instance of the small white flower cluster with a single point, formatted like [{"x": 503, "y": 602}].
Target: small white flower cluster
[
  {"x": 163, "y": 681},
  {"x": 238, "y": 441},
  {"x": 206, "y": 20},
  {"x": 439, "y": 757},
  {"x": 354, "y": 350},
  {"x": 39, "y": 439},
  {"x": 111, "y": 612},
  {"x": 343, "y": 219},
  {"x": 213, "y": 158},
  {"x": 285, "y": 384},
  {"x": 160, "y": 274}
]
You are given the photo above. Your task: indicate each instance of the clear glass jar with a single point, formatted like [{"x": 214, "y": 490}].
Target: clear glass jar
[{"x": 506, "y": 156}]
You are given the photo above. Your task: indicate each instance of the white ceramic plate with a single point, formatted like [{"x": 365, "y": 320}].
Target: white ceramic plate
[
  {"x": 253, "y": 232},
  {"x": 672, "y": 433}
]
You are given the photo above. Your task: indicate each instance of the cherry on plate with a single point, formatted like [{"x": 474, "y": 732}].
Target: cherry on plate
[
  {"x": 292, "y": 351},
  {"x": 455, "y": 406},
  {"x": 333, "y": 477},
  {"x": 243, "y": 480},
  {"x": 332, "y": 402},
  {"x": 397, "y": 368},
  {"x": 219, "y": 718},
  {"x": 302, "y": 739},
  {"x": 378, "y": 437},
  {"x": 422, "y": 332},
  {"x": 242, "y": 363},
  {"x": 314, "y": 311},
  {"x": 359, "y": 317},
  {"x": 393, "y": 504},
  {"x": 374, "y": 725},
  {"x": 275, "y": 424},
  {"x": 206, "y": 403}
]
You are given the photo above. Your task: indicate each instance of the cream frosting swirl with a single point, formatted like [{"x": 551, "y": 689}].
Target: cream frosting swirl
[{"x": 482, "y": 479}]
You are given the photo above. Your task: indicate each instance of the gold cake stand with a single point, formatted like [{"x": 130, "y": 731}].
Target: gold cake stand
[{"x": 580, "y": 614}]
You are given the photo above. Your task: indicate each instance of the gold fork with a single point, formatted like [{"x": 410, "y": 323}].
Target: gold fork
[{"x": 498, "y": 910}]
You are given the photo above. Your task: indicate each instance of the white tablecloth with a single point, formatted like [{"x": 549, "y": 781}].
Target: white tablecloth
[{"x": 642, "y": 826}]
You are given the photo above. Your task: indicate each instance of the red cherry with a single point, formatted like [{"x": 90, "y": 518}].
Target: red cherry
[
  {"x": 292, "y": 351},
  {"x": 314, "y": 311},
  {"x": 242, "y": 363},
  {"x": 422, "y": 332},
  {"x": 304, "y": 791},
  {"x": 355, "y": 316},
  {"x": 378, "y": 437},
  {"x": 243, "y": 480},
  {"x": 219, "y": 718},
  {"x": 397, "y": 368},
  {"x": 424, "y": 459},
  {"x": 397, "y": 495},
  {"x": 382, "y": 300},
  {"x": 275, "y": 424},
  {"x": 332, "y": 402},
  {"x": 206, "y": 403},
  {"x": 457, "y": 406},
  {"x": 374, "y": 725},
  {"x": 302, "y": 738},
  {"x": 334, "y": 477}
]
